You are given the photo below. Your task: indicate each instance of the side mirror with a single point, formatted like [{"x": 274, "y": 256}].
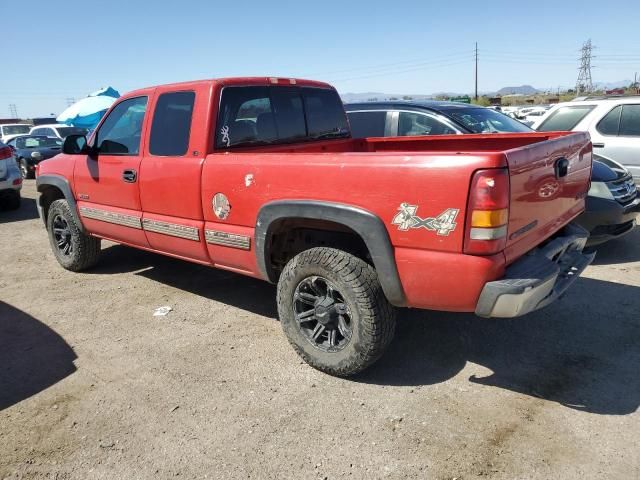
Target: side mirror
[{"x": 75, "y": 145}]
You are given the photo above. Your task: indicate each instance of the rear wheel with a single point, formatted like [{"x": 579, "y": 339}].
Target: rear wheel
[
  {"x": 14, "y": 200},
  {"x": 73, "y": 249},
  {"x": 333, "y": 311}
]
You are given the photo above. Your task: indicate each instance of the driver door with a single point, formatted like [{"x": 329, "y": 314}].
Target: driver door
[{"x": 106, "y": 182}]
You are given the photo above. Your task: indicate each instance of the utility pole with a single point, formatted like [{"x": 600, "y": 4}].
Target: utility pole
[
  {"x": 584, "y": 83},
  {"x": 476, "y": 95},
  {"x": 13, "y": 110}
]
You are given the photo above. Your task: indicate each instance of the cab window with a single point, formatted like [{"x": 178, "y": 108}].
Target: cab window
[
  {"x": 610, "y": 123},
  {"x": 171, "y": 125},
  {"x": 121, "y": 131},
  {"x": 271, "y": 115}
]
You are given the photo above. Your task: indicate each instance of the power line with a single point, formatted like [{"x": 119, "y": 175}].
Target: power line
[
  {"x": 13, "y": 110},
  {"x": 70, "y": 101},
  {"x": 584, "y": 84},
  {"x": 476, "y": 95}
]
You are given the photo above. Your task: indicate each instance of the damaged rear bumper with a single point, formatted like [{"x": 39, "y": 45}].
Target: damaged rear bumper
[{"x": 537, "y": 279}]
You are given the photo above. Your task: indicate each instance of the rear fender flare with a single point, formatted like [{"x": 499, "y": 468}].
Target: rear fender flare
[
  {"x": 62, "y": 184},
  {"x": 367, "y": 225}
]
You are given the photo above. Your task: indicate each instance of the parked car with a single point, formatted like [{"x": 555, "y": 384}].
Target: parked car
[
  {"x": 58, "y": 130},
  {"x": 29, "y": 150},
  {"x": 612, "y": 203},
  {"x": 259, "y": 176},
  {"x": 10, "y": 179},
  {"x": 10, "y": 130},
  {"x": 391, "y": 119},
  {"x": 612, "y": 122}
]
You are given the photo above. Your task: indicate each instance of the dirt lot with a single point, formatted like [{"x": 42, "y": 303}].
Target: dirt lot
[{"x": 93, "y": 386}]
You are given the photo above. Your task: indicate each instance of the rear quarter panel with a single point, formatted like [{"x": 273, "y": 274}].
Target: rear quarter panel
[{"x": 377, "y": 182}]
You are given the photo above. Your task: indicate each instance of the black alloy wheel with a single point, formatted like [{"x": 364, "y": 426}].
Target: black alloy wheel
[{"x": 322, "y": 314}]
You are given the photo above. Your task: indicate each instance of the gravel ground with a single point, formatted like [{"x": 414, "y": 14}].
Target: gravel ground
[{"x": 93, "y": 386}]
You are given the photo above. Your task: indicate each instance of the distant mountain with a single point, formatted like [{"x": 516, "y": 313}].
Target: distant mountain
[
  {"x": 611, "y": 85},
  {"x": 521, "y": 90}
]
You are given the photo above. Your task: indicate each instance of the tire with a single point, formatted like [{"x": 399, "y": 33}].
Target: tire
[
  {"x": 24, "y": 170},
  {"x": 73, "y": 249},
  {"x": 347, "y": 336},
  {"x": 14, "y": 201}
]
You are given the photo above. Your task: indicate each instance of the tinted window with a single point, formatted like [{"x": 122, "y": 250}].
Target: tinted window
[
  {"x": 268, "y": 115},
  {"x": 172, "y": 124},
  {"x": 411, "y": 124},
  {"x": 367, "y": 124},
  {"x": 38, "y": 142},
  {"x": 16, "y": 129},
  {"x": 120, "y": 132},
  {"x": 325, "y": 113},
  {"x": 565, "y": 118},
  {"x": 485, "y": 120},
  {"x": 38, "y": 131},
  {"x": 630, "y": 121},
  {"x": 64, "y": 132},
  {"x": 610, "y": 122}
]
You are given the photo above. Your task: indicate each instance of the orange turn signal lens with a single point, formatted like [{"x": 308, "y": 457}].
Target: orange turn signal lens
[{"x": 489, "y": 218}]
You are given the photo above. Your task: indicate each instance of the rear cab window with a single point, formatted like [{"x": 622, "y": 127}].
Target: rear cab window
[
  {"x": 267, "y": 115},
  {"x": 565, "y": 118},
  {"x": 171, "y": 126}
]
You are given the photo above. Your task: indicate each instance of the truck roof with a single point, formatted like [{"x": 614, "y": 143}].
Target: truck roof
[{"x": 227, "y": 81}]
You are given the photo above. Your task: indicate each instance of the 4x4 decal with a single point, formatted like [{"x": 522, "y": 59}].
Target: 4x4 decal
[{"x": 443, "y": 224}]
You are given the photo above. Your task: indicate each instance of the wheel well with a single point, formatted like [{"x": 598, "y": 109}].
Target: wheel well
[
  {"x": 291, "y": 236},
  {"x": 48, "y": 194}
]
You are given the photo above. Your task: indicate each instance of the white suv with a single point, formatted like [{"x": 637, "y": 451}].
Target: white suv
[
  {"x": 57, "y": 130},
  {"x": 613, "y": 123},
  {"x": 10, "y": 179}
]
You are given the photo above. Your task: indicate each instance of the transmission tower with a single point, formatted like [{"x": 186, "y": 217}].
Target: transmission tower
[
  {"x": 584, "y": 83},
  {"x": 13, "y": 110}
]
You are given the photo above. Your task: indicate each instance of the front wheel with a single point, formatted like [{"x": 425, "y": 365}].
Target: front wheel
[
  {"x": 24, "y": 169},
  {"x": 73, "y": 249},
  {"x": 333, "y": 311}
]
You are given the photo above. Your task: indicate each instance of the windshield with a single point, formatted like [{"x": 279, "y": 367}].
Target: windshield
[
  {"x": 565, "y": 118},
  {"x": 39, "y": 142},
  {"x": 16, "y": 129},
  {"x": 485, "y": 120},
  {"x": 66, "y": 131}
]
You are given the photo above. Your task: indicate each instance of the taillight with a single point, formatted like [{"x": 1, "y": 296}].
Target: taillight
[
  {"x": 487, "y": 212},
  {"x": 5, "y": 152}
]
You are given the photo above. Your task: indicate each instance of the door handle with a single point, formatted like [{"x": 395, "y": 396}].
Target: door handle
[
  {"x": 598, "y": 145},
  {"x": 561, "y": 167},
  {"x": 129, "y": 176}
]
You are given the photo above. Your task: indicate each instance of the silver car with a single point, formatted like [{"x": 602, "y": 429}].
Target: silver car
[{"x": 612, "y": 122}]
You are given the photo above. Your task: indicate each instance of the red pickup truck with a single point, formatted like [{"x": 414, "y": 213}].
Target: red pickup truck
[{"x": 260, "y": 176}]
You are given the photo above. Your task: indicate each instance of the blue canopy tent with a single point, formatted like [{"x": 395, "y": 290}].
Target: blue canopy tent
[{"x": 87, "y": 112}]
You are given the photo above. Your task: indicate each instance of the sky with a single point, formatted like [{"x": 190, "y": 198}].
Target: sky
[{"x": 55, "y": 51}]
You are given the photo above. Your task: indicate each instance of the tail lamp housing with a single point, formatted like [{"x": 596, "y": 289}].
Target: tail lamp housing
[{"x": 487, "y": 212}]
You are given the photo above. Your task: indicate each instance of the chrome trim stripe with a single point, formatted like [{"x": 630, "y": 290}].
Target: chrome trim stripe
[
  {"x": 111, "y": 217},
  {"x": 225, "y": 239},
  {"x": 172, "y": 229}
]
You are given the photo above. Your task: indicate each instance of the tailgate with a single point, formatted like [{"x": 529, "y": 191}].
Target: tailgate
[{"x": 549, "y": 184}]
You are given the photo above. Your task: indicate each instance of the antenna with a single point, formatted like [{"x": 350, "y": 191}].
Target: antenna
[{"x": 584, "y": 84}]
